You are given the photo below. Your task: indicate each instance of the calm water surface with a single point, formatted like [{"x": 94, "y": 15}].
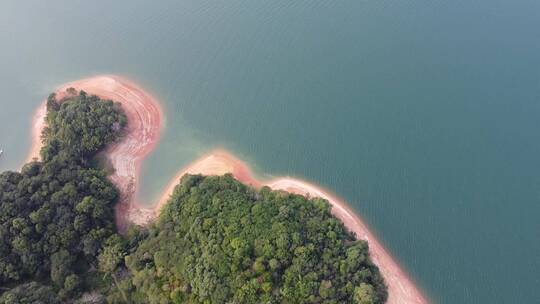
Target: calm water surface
[{"x": 424, "y": 115}]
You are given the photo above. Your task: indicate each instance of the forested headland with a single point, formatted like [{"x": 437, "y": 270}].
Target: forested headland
[
  {"x": 56, "y": 213},
  {"x": 220, "y": 241},
  {"x": 216, "y": 241}
]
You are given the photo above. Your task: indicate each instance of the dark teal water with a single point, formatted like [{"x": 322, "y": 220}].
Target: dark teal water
[{"x": 424, "y": 115}]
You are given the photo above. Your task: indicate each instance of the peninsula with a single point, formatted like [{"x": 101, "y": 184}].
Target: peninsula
[{"x": 141, "y": 135}]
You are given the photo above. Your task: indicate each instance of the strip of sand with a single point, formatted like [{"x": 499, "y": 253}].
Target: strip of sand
[{"x": 141, "y": 136}]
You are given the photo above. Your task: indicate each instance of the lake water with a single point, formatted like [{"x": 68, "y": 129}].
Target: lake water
[{"x": 424, "y": 115}]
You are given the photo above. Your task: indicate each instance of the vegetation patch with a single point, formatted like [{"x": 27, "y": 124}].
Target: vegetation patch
[
  {"x": 219, "y": 241},
  {"x": 56, "y": 214}
]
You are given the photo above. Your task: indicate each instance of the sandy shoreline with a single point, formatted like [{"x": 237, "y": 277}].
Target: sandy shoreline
[{"x": 142, "y": 134}]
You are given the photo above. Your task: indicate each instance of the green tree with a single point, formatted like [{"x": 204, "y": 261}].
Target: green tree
[
  {"x": 61, "y": 263},
  {"x": 364, "y": 294},
  {"x": 72, "y": 284}
]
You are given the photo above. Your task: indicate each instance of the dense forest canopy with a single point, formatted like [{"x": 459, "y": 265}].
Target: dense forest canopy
[
  {"x": 56, "y": 214},
  {"x": 30, "y": 292},
  {"x": 216, "y": 241},
  {"x": 219, "y": 241}
]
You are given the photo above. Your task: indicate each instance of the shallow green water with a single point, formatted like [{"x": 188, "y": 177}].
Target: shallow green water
[{"x": 424, "y": 115}]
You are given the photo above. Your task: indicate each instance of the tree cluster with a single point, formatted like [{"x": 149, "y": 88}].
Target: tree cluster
[
  {"x": 219, "y": 241},
  {"x": 56, "y": 214}
]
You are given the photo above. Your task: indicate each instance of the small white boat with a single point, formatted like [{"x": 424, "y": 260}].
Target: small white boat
[{"x": 1, "y": 151}]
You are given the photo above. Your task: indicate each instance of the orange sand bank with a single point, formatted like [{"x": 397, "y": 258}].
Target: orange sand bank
[{"x": 142, "y": 134}]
